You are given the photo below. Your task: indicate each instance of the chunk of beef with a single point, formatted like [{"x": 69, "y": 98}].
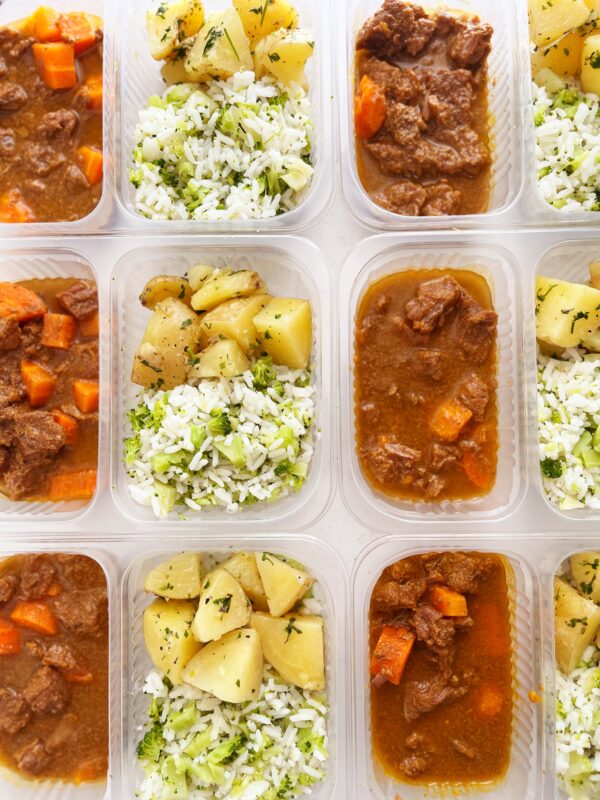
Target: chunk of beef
[
  {"x": 475, "y": 395},
  {"x": 463, "y": 748},
  {"x": 24, "y": 480},
  {"x": 434, "y": 301},
  {"x": 400, "y": 84},
  {"x": 80, "y": 299},
  {"x": 12, "y": 96},
  {"x": 421, "y": 697},
  {"x": 8, "y": 144},
  {"x": 8, "y": 395},
  {"x": 38, "y": 437},
  {"x": 447, "y": 24},
  {"x": 406, "y": 124},
  {"x": 405, "y": 570},
  {"x": 471, "y": 45},
  {"x": 31, "y": 336},
  {"x": 459, "y": 571},
  {"x": 414, "y": 764},
  {"x": 469, "y": 150},
  {"x": 403, "y": 197},
  {"x": 441, "y": 201},
  {"x": 442, "y": 455},
  {"x": 35, "y": 648},
  {"x": 33, "y": 757},
  {"x": 81, "y": 569},
  {"x": 429, "y": 364},
  {"x": 42, "y": 159},
  {"x": 477, "y": 330},
  {"x": 82, "y": 360},
  {"x": 14, "y": 712},
  {"x": 431, "y": 627},
  {"x": 61, "y": 656},
  {"x": 3, "y": 68},
  {"x": 47, "y": 691},
  {"x": 8, "y": 587},
  {"x": 397, "y": 28},
  {"x": 417, "y": 741},
  {"x": 21, "y": 47},
  {"x": 450, "y": 93},
  {"x": 59, "y": 126},
  {"x": 37, "y": 576},
  {"x": 425, "y": 158},
  {"x": 85, "y": 612},
  {"x": 75, "y": 179},
  {"x": 10, "y": 334},
  {"x": 394, "y": 461},
  {"x": 391, "y": 596},
  {"x": 435, "y": 485}
]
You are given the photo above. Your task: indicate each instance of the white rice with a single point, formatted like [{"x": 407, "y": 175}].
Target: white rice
[
  {"x": 567, "y": 148},
  {"x": 228, "y": 149},
  {"x": 568, "y": 405}
]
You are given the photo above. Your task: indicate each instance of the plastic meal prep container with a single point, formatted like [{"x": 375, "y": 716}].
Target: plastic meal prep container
[{"x": 384, "y": 255}]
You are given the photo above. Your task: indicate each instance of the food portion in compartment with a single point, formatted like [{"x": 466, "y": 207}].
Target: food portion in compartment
[
  {"x": 577, "y": 651},
  {"x": 231, "y": 137},
  {"x": 54, "y": 667},
  {"x": 441, "y": 668},
  {"x": 426, "y": 413},
  {"x": 238, "y": 690},
  {"x": 421, "y": 112},
  {"x": 227, "y": 416},
  {"x": 565, "y": 63},
  {"x": 48, "y": 389},
  {"x": 567, "y": 317},
  {"x": 50, "y": 117}
]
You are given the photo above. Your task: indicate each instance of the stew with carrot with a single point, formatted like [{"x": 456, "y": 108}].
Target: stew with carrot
[
  {"x": 49, "y": 389},
  {"x": 54, "y": 667},
  {"x": 50, "y": 117},
  {"x": 425, "y": 385},
  {"x": 441, "y": 668}
]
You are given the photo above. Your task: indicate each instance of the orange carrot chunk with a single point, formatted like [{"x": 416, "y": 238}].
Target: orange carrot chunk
[
  {"x": 10, "y": 638},
  {"x": 93, "y": 92},
  {"x": 39, "y": 383},
  {"x": 391, "y": 653},
  {"x": 449, "y": 420},
  {"x": 69, "y": 425},
  {"x": 87, "y": 395},
  {"x": 77, "y": 29},
  {"x": 54, "y": 590},
  {"x": 35, "y": 615},
  {"x": 90, "y": 770},
  {"x": 72, "y": 486},
  {"x": 489, "y": 700},
  {"x": 369, "y": 108},
  {"x": 59, "y": 330},
  {"x": 90, "y": 326},
  {"x": 14, "y": 209},
  {"x": 20, "y": 302},
  {"x": 44, "y": 25},
  {"x": 91, "y": 163},
  {"x": 478, "y": 469},
  {"x": 448, "y": 602},
  {"x": 56, "y": 64}
]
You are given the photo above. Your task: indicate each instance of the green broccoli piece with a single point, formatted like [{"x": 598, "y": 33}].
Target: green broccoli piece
[
  {"x": 227, "y": 751},
  {"x": 263, "y": 373},
  {"x": 150, "y": 747},
  {"x": 552, "y": 468},
  {"x": 132, "y": 448},
  {"x": 220, "y": 424}
]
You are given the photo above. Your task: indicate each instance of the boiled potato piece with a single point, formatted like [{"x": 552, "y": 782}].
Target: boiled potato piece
[
  {"x": 284, "y": 54},
  {"x": 562, "y": 57},
  {"x": 231, "y": 668},
  {"x": 262, "y": 17},
  {"x": 225, "y": 285},
  {"x": 285, "y": 330},
  {"x": 585, "y": 568},
  {"x": 223, "y": 606},
  {"x": 576, "y": 620},
  {"x": 169, "y": 24},
  {"x": 221, "y": 48},
  {"x": 173, "y": 331},
  {"x": 197, "y": 274},
  {"x": 234, "y": 319},
  {"x": 553, "y": 299},
  {"x": 284, "y": 585},
  {"x": 148, "y": 366},
  {"x": 162, "y": 286},
  {"x": 167, "y": 636},
  {"x": 223, "y": 359},
  {"x": 548, "y": 21},
  {"x": 178, "y": 578},
  {"x": 243, "y": 568},
  {"x": 590, "y": 65},
  {"x": 294, "y": 647},
  {"x": 175, "y": 72}
]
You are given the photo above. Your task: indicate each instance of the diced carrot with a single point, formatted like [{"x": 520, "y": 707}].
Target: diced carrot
[
  {"x": 39, "y": 383},
  {"x": 489, "y": 700},
  {"x": 91, "y": 770},
  {"x": 56, "y": 64},
  {"x": 20, "y": 302},
  {"x": 45, "y": 25},
  {"x": 369, "y": 108},
  {"x": 14, "y": 209},
  {"x": 391, "y": 653},
  {"x": 448, "y": 602},
  {"x": 72, "y": 485},
  {"x": 35, "y": 615},
  {"x": 78, "y": 677},
  {"x": 77, "y": 29},
  {"x": 93, "y": 92},
  {"x": 54, "y": 590},
  {"x": 69, "y": 425},
  {"x": 10, "y": 638},
  {"x": 478, "y": 469},
  {"x": 87, "y": 395},
  {"x": 59, "y": 331},
  {"x": 449, "y": 420},
  {"x": 92, "y": 163},
  {"x": 90, "y": 326}
]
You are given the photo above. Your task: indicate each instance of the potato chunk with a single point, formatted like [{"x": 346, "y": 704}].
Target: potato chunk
[
  {"x": 167, "y": 636},
  {"x": 243, "y": 568},
  {"x": 548, "y": 21},
  {"x": 285, "y": 330},
  {"x": 234, "y": 319},
  {"x": 148, "y": 366},
  {"x": 221, "y": 48},
  {"x": 294, "y": 647},
  {"x": 562, "y": 57},
  {"x": 262, "y": 17},
  {"x": 576, "y": 620},
  {"x": 170, "y": 23},
  {"x": 553, "y": 299},
  {"x": 197, "y": 274},
  {"x": 230, "y": 668},
  {"x": 590, "y": 65},
  {"x": 283, "y": 54},
  {"x": 178, "y": 578},
  {"x": 162, "y": 286},
  {"x": 585, "y": 568},
  {"x": 224, "y": 285},
  {"x": 223, "y": 359},
  {"x": 223, "y": 606},
  {"x": 284, "y": 585}
]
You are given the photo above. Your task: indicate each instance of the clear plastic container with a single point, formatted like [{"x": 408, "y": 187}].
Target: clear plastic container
[
  {"x": 53, "y": 262},
  {"x": 504, "y": 104},
  {"x": 523, "y": 778},
  {"x": 383, "y": 255},
  {"x": 321, "y": 562},
  {"x": 140, "y": 78},
  {"x": 290, "y": 267}
]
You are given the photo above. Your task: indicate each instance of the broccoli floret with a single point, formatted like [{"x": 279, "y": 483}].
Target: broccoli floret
[
  {"x": 551, "y": 467},
  {"x": 227, "y": 751},
  {"x": 263, "y": 373},
  {"x": 139, "y": 417},
  {"x": 220, "y": 424},
  {"x": 132, "y": 448},
  {"x": 150, "y": 747}
]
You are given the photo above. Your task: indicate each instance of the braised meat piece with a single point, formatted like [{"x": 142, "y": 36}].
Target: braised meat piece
[
  {"x": 431, "y": 627},
  {"x": 14, "y": 712},
  {"x": 392, "y": 596},
  {"x": 38, "y": 437},
  {"x": 475, "y": 395},
  {"x": 59, "y": 126},
  {"x": 421, "y": 697},
  {"x": 477, "y": 330},
  {"x": 391, "y": 458},
  {"x": 441, "y": 200},
  {"x": 415, "y": 199},
  {"x": 31, "y": 336},
  {"x": 80, "y": 299},
  {"x": 397, "y": 28},
  {"x": 12, "y": 96},
  {"x": 414, "y": 765},
  {"x": 83, "y": 612},
  {"x": 435, "y": 299},
  {"x": 471, "y": 45},
  {"x": 450, "y": 94},
  {"x": 10, "y": 333},
  {"x": 400, "y": 84},
  {"x": 441, "y": 455},
  {"x": 33, "y": 757},
  {"x": 42, "y": 159},
  {"x": 429, "y": 364},
  {"x": 37, "y": 576},
  {"x": 47, "y": 691},
  {"x": 8, "y": 587},
  {"x": 24, "y": 481},
  {"x": 459, "y": 571}
]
